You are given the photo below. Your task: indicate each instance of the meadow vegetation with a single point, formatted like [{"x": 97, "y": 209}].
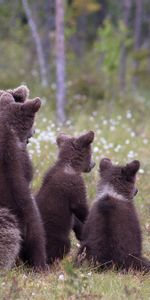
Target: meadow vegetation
[{"x": 121, "y": 129}]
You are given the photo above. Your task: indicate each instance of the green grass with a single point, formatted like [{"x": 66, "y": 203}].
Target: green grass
[
  {"x": 122, "y": 132},
  {"x": 81, "y": 284}
]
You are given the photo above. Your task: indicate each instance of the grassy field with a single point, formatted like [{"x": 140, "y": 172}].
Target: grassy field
[{"x": 122, "y": 132}]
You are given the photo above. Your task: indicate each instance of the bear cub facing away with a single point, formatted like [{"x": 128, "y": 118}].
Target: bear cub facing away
[
  {"x": 63, "y": 194},
  {"x": 112, "y": 235},
  {"x": 16, "y": 122},
  {"x": 10, "y": 235}
]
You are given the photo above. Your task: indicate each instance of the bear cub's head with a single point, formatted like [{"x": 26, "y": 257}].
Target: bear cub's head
[
  {"x": 118, "y": 180},
  {"x": 18, "y": 117},
  {"x": 76, "y": 152}
]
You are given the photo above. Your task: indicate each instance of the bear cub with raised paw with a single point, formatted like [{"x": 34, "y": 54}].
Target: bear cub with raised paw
[
  {"x": 62, "y": 195},
  {"x": 111, "y": 235}
]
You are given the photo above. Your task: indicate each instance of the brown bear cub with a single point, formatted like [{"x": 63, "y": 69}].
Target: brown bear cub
[
  {"x": 63, "y": 193},
  {"x": 112, "y": 235},
  {"x": 10, "y": 235},
  {"x": 16, "y": 122}
]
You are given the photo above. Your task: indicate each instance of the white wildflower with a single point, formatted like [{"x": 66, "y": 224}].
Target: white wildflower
[
  {"x": 68, "y": 122},
  {"x": 132, "y": 134},
  {"x": 106, "y": 147},
  {"x": 105, "y": 122},
  {"x": 128, "y": 114},
  {"x": 96, "y": 149},
  {"x": 127, "y": 142},
  {"x": 117, "y": 148},
  {"x": 61, "y": 277},
  {"x": 141, "y": 171},
  {"x": 131, "y": 154},
  {"x": 110, "y": 145},
  {"x": 119, "y": 117},
  {"x": 37, "y": 130},
  {"x": 112, "y": 128},
  {"x": 145, "y": 141},
  {"x": 102, "y": 140},
  {"x": 91, "y": 118},
  {"x": 44, "y": 120}
]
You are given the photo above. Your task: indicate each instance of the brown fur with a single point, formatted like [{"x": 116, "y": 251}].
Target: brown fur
[
  {"x": 20, "y": 94},
  {"x": 112, "y": 234},
  {"x": 63, "y": 193},
  {"x": 10, "y": 239},
  {"x": 16, "y": 121}
]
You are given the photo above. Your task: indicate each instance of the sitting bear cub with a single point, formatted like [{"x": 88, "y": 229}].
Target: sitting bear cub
[
  {"x": 63, "y": 193},
  {"x": 16, "y": 122},
  {"x": 111, "y": 235}
]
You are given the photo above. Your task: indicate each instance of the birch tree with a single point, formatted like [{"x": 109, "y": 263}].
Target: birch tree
[
  {"x": 137, "y": 36},
  {"x": 37, "y": 41},
  {"x": 60, "y": 62},
  {"x": 123, "y": 57}
]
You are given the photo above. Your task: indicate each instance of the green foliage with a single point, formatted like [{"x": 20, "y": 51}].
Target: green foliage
[
  {"x": 89, "y": 86},
  {"x": 109, "y": 42},
  {"x": 141, "y": 54},
  {"x": 84, "y": 7},
  {"x": 114, "y": 8},
  {"x": 75, "y": 284}
]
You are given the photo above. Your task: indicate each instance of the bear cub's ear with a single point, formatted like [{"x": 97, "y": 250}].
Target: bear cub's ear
[
  {"x": 105, "y": 164},
  {"x": 21, "y": 93},
  {"x": 31, "y": 106},
  {"x": 86, "y": 139},
  {"x": 131, "y": 169},
  {"x": 61, "y": 138},
  {"x": 6, "y": 99}
]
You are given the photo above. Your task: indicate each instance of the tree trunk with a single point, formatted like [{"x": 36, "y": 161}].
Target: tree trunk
[
  {"x": 60, "y": 62},
  {"x": 137, "y": 37},
  {"x": 48, "y": 25},
  {"x": 149, "y": 45},
  {"x": 38, "y": 45},
  {"x": 123, "y": 55}
]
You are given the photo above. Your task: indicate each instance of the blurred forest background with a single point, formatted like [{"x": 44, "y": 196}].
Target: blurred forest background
[{"x": 74, "y": 50}]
